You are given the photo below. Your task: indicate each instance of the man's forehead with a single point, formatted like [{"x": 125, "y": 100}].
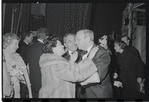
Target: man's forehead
[
  {"x": 70, "y": 37},
  {"x": 80, "y": 34}
]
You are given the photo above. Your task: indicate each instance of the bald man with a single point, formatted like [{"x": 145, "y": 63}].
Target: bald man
[{"x": 85, "y": 41}]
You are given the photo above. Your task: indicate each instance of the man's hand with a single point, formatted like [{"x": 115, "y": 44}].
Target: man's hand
[
  {"x": 139, "y": 80},
  {"x": 118, "y": 84},
  {"x": 115, "y": 75}
]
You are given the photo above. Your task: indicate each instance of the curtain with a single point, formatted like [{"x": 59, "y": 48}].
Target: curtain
[
  {"x": 12, "y": 20},
  {"x": 38, "y": 16},
  {"x": 139, "y": 41},
  {"x": 7, "y": 18},
  {"x": 4, "y": 7},
  {"x": 25, "y": 17},
  {"x": 65, "y": 18}
]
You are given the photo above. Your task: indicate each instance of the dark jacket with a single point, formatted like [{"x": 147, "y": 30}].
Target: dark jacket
[
  {"x": 23, "y": 48},
  {"x": 104, "y": 88},
  {"x": 131, "y": 67},
  {"x": 133, "y": 50},
  {"x": 33, "y": 56}
]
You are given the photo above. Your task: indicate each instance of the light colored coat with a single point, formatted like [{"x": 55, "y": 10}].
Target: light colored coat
[
  {"x": 18, "y": 72},
  {"x": 58, "y": 75},
  {"x": 7, "y": 89}
]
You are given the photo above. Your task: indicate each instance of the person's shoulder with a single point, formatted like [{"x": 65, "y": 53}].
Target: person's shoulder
[
  {"x": 132, "y": 48},
  {"x": 36, "y": 45},
  {"x": 17, "y": 56},
  {"x": 101, "y": 51},
  {"x": 51, "y": 59},
  {"x": 23, "y": 44}
]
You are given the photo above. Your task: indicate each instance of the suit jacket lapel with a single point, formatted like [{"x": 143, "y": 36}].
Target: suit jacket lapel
[
  {"x": 91, "y": 49},
  {"x": 67, "y": 56}
]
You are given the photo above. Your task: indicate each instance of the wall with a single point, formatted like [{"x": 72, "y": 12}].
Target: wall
[{"x": 106, "y": 18}]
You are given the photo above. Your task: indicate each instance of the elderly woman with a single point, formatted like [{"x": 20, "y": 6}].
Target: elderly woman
[
  {"x": 15, "y": 66},
  {"x": 131, "y": 70},
  {"x": 59, "y": 75}
]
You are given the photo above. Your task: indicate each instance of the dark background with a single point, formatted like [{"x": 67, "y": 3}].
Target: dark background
[{"x": 104, "y": 19}]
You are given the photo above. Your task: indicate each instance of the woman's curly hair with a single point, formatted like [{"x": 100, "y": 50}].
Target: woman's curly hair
[
  {"x": 49, "y": 43},
  {"x": 8, "y": 38}
]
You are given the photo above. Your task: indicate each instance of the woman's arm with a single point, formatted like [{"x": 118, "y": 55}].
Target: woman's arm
[{"x": 75, "y": 72}]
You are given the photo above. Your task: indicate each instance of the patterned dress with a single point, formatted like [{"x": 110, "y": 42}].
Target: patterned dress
[{"x": 18, "y": 72}]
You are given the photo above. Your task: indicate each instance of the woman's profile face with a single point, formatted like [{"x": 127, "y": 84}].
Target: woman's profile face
[
  {"x": 59, "y": 49},
  {"x": 13, "y": 46},
  {"x": 103, "y": 40}
]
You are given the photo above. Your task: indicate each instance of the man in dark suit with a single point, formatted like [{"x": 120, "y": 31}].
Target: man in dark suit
[
  {"x": 26, "y": 39},
  {"x": 33, "y": 56},
  {"x": 85, "y": 41},
  {"x": 134, "y": 51}
]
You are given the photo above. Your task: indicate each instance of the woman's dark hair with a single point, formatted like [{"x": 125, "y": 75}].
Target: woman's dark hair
[
  {"x": 122, "y": 44},
  {"x": 49, "y": 43},
  {"x": 24, "y": 34},
  {"x": 108, "y": 40},
  {"x": 42, "y": 31}
]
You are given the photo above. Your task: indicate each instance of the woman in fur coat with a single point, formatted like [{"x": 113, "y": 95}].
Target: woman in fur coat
[{"x": 58, "y": 74}]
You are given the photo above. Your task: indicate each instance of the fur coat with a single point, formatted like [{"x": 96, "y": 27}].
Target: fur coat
[{"x": 59, "y": 75}]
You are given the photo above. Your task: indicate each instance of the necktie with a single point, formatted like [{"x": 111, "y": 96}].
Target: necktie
[{"x": 82, "y": 52}]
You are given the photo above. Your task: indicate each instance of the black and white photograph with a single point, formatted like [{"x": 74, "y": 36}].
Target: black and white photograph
[{"x": 74, "y": 50}]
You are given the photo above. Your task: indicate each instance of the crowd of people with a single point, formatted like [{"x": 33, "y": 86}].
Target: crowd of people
[{"x": 48, "y": 66}]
